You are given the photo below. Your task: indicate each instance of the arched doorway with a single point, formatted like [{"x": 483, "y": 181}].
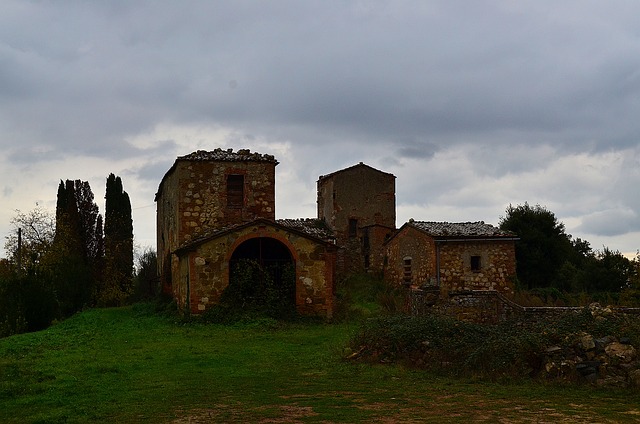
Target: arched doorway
[{"x": 262, "y": 277}]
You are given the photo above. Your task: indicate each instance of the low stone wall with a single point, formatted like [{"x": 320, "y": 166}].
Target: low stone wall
[{"x": 486, "y": 306}]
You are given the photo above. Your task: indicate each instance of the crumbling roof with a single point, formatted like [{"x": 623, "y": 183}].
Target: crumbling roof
[
  {"x": 228, "y": 155},
  {"x": 476, "y": 229},
  {"x": 312, "y": 226},
  {"x": 219, "y": 155}
]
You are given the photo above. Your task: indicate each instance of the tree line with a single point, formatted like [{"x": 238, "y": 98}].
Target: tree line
[
  {"x": 547, "y": 258},
  {"x": 60, "y": 264}
]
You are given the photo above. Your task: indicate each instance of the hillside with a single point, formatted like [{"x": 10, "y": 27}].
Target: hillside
[{"x": 131, "y": 365}]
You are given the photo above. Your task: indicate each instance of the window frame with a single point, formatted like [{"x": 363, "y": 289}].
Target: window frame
[
  {"x": 407, "y": 271},
  {"x": 235, "y": 191},
  {"x": 475, "y": 263}
]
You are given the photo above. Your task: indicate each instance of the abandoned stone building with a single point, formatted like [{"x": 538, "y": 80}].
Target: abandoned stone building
[
  {"x": 359, "y": 205},
  {"x": 452, "y": 257},
  {"x": 217, "y": 208}
]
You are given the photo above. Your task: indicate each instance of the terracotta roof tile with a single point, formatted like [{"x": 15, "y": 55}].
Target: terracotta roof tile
[
  {"x": 312, "y": 226},
  {"x": 460, "y": 229}
]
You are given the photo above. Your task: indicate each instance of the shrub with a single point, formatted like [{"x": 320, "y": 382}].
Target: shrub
[
  {"x": 510, "y": 349},
  {"x": 363, "y": 296},
  {"x": 256, "y": 291}
]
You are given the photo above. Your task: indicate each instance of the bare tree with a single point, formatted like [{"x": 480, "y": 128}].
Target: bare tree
[{"x": 38, "y": 231}]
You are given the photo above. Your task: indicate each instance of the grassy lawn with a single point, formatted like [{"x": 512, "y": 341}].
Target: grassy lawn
[{"x": 129, "y": 365}]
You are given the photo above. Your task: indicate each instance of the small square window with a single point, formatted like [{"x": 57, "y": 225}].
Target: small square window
[{"x": 476, "y": 263}]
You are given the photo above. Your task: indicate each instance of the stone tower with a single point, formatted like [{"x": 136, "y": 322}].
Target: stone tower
[
  {"x": 207, "y": 191},
  {"x": 359, "y": 204}
]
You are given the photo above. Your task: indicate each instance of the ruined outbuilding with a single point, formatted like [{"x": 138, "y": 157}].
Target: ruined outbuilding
[{"x": 452, "y": 257}]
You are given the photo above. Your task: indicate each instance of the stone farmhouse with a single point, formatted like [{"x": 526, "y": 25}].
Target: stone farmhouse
[
  {"x": 452, "y": 257},
  {"x": 216, "y": 208}
]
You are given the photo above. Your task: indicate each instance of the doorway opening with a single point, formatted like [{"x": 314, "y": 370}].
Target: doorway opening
[{"x": 262, "y": 278}]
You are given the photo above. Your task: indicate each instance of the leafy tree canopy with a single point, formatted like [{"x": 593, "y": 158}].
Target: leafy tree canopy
[{"x": 543, "y": 246}]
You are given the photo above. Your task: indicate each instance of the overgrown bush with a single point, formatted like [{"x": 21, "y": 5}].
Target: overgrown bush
[
  {"x": 256, "y": 291},
  {"x": 510, "y": 349},
  {"x": 363, "y": 296},
  {"x": 27, "y": 303}
]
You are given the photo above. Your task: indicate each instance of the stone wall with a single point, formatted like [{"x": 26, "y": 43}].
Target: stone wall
[
  {"x": 207, "y": 274},
  {"x": 486, "y": 306},
  {"x": 414, "y": 245},
  {"x": 497, "y": 265},
  {"x": 364, "y": 196},
  {"x": 497, "y": 262},
  {"x": 374, "y": 238},
  {"x": 193, "y": 200}
]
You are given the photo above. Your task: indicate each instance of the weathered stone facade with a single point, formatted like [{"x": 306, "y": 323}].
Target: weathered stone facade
[
  {"x": 359, "y": 204},
  {"x": 208, "y": 204},
  {"x": 213, "y": 206},
  {"x": 193, "y": 198},
  {"x": 204, "y": 266},
  {"x": 452, "y": 257}
]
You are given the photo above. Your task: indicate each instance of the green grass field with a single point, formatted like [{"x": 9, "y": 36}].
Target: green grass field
[{"x": 129, "y": 365}]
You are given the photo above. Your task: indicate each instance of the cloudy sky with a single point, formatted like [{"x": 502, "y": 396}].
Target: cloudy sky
[{"x": 473, "y": 105}]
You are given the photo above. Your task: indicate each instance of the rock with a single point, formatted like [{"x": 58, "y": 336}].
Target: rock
[
  {"x": 602, "y": 342},
  {"x": 591, "y": 378},
  {"x": 553, "y": 349},
  {"x": 567, "y": 368},
  {"x": 587, "y": 368},
  {"x": 634, "y": 378},
  {"x": 621, "y": 352},
  {"x": 625, "y": 340},
  {"x": 612, "y": 382},
  {"x": 587, "y": 342}
]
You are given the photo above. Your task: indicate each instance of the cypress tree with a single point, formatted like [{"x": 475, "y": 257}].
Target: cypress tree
[
  {"x": 118, "y": 244},
  {"x": 67, "y": 261}
]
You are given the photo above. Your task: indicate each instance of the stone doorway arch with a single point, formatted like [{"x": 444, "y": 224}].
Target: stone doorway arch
[{"x": 262, "y": 277}]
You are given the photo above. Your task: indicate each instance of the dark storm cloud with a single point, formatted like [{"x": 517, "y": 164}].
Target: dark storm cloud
[
  {"x": 497, "y": 99},
  {"x": 381, "y": 71}
]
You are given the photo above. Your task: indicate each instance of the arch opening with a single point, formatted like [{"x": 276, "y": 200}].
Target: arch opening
[{"x": 262, "y": 278}]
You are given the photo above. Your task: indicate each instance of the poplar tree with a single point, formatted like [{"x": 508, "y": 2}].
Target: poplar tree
[{"x": 118, "y": 244}]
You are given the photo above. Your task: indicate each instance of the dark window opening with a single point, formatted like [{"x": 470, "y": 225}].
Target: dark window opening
[
  {"x": 406, "y": 279},
  {"x": 235, "y": 191},
  {"x": 353, "y": 227},
  {"x": 366, "y": 261},
  {"x": 366, "y": 244},
  {"x": 475, "y": 263}
]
